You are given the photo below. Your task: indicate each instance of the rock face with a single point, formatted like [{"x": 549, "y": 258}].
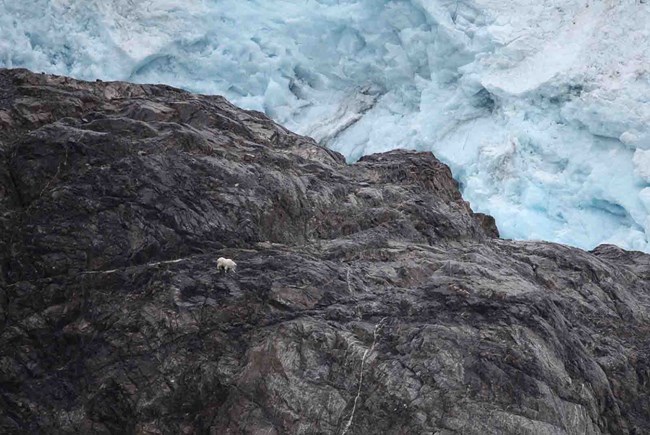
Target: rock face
[{"x": 368, "y": 299}]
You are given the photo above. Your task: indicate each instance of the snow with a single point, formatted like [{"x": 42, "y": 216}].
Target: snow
[{"x": 542, "y": 109}]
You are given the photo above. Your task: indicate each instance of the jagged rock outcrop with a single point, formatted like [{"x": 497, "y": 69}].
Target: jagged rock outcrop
[{"x": 368, "y": 298}]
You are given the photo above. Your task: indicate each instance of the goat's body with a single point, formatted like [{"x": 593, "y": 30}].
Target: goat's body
[{"x": 226, "y": 264}]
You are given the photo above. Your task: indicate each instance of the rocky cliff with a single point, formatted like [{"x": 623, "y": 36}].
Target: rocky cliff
[{"x": 368, "y": 298}]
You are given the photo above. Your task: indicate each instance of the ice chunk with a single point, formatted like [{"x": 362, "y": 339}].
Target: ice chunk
[
  {"x": 642, "y": 164},
  {"x": 636, "y": 139}
]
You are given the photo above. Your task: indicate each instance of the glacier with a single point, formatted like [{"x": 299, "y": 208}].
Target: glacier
[{"x": 541, "y": 109}]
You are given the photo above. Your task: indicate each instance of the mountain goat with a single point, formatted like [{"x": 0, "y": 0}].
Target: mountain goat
[{"x": 226, "y": 264}]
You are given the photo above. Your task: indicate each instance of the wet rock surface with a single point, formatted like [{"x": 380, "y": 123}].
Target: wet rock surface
[{"x": 368, "y": 298}]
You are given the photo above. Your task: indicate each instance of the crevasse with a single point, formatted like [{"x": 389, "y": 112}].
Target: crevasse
[{"x": 542, "y": 109}]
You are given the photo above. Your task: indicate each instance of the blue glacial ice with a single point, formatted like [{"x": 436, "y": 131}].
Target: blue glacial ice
[{"x": 541, "y": 108}]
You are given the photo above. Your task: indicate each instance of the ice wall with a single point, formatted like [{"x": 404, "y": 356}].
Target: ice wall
[{"x": 541, "y": 108}]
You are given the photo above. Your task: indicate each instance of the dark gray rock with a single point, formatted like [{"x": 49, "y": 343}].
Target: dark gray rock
[{"x": 368, "y": 299}]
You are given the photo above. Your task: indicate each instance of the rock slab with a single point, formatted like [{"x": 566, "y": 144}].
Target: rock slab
[{"x": 368, "y": 298}]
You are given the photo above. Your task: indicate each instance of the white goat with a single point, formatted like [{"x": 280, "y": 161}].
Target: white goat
[{"x": 226, "y": 264}]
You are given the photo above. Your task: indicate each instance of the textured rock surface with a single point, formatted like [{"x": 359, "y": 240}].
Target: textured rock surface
[{"x": 367, "y": 299}]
